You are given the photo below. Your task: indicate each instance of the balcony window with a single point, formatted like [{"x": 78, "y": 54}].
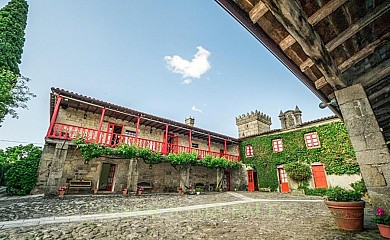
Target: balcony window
[
  {"x": 312, "y": 140},
  {"x": 248, "y": 151},
  {"x": 277, "y": 145}
]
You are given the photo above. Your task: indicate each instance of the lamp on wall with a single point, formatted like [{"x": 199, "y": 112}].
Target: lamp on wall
[
  {"x": 332, "y": 102},
  {"x": 85, "y": 115}
]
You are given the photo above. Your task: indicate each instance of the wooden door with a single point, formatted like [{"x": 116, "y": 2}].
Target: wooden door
[
  {"x": 173, "y": 143},
  {"x": 319, "y": 176},
  {"x": 110, "y": 180},
  {"x": 283, "y": 180},
  {"x": 227, "y": 180},
  {"x": 113, "y": 134},
  {"x": 251, "y": 182}
]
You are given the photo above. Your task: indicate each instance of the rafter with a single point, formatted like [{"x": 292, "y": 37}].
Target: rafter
[
  {"x": 258, "y": 11},
  {"x": 320, "y": 83},
  {"x": 292, "y": 17},
  {"x": 375, "y": 74},
  {"x": 320, "y": 14}
]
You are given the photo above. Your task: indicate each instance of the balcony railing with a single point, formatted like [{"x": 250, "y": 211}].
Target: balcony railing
[{"x": 70, "y": 132}]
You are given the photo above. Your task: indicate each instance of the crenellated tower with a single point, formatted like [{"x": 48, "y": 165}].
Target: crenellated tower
[{"x": 252, "y": 124}]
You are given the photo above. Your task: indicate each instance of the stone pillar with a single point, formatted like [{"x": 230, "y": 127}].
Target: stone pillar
[
  {"x": 220, "y": 173},
  {"x": 132, "y": 177},
  {"x": 56, "y": 168},
  {"x": 185, "y": 177},
  {"x": 367, "y": 140}
]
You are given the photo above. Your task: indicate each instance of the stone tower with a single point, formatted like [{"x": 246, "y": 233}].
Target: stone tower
[
  {"x": 252, "y": 124},
  {"x": 291, "y": 118}
]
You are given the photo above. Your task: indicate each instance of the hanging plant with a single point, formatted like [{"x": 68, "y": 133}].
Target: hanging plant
[{"x": 298, "y": 171}]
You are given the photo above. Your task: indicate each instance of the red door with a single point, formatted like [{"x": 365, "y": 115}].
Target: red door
[
  {"x": 251, "y": 182},
  {"x": 173, "y": 143},
  {"x": 113, "y": 134},
  {"x": 227, "y": 180},
  {"x": 283, "y": 180},
  {"x": 110, "y": 180},
  {"x": 319, "y": 176}
]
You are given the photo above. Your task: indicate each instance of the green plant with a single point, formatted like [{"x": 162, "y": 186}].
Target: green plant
[
  {"x": 339, "y": 194},
  {"x": 381, "y": 217},
  {"x": 316, "y": 191},
  {"x": 298, "y": 171},
  {"x": 198, "y": 189},
  {"x": 22, "y": 174},
  {"x": 359, "y": 186}
]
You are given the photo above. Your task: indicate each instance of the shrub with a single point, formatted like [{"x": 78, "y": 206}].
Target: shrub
[
  {"x": 21, "y": 177},
  {"x": 359, "y": 186},
  {"x": 316, "y": 191},
  {"x": 339, "y": 194},
  {"x": 298, "y": 171}
]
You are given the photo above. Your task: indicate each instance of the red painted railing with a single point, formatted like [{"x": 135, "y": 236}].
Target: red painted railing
[{"x": 70, "y": 132}]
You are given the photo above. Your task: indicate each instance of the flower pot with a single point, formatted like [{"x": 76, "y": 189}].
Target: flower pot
[
  {"x": 384, "y": 230},
  {"x": 124, "y": 192},
  {"x": 61, "y": 193},
  {"x": 349, "y": 216},
  {"x": 95, "y": 191},
  {"x": 197, "y": 193}
]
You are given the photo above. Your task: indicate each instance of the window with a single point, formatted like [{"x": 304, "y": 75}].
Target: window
[
  {"x": 312, "y": 140},
  {"x": 277, "y": 145},
  {"x": 130, "y": 133},
  {"x": 195, "y": 145},
  {"x": 249, "y": 151}
]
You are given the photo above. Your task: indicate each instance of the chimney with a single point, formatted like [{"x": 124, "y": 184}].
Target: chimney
[{"x": 190, "y": 121}]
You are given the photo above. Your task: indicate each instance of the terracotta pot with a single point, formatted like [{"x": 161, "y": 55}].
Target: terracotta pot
[
  {"x": 124, "y": 192},
  {"x": 95, "y": 190},
  {"x": 384, "y": 230},
  {"x": 61, "y": 193},
  {"x": 349, "y": 216}
]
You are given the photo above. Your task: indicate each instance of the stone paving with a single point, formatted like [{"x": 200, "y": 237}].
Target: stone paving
[{"x": 258, "y": 216}]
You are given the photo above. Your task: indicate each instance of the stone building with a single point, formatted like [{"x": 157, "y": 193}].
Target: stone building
[
  {"x": 74, "y": 115},
  {"x": 322, "y": 144}
]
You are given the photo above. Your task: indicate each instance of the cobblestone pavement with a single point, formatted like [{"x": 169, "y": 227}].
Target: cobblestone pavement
[{"x": 252, "y": 220}]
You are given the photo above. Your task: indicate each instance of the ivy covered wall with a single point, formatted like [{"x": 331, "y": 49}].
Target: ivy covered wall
[{"x": 336, "y": 152}]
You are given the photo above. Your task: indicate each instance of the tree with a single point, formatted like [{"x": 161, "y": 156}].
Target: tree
[{"x": 13, "y": 89}]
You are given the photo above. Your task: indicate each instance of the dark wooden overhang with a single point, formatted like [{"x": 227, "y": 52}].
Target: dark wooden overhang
[
  {"x": 327, "y": 44},
  {"x": 92, "y": 105}
]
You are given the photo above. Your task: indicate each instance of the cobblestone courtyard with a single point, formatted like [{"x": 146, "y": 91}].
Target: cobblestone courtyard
[{"x": 209, "y": 216}]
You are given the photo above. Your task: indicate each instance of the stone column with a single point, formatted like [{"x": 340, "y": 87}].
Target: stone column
[
  {"x": 367, "y": 139},
  {"x": 220, "y": 173},
  {"x": 56, "y": 168},
  {"x": 184, "y": 177},
  {"x": 132, "y": 177}
]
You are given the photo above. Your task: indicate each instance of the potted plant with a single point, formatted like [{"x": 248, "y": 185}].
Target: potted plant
[
  {"x": 198, "y": 190},
  {"x": 124, "y": 192},
  {"x": 140, "y": 190},
  {"x": 180, "y": 191},
  {"x": 347, "y": 208},
  {"x": 382, "y": 220}
]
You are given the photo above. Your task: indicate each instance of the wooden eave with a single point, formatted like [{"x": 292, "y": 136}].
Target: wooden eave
[{"x": 327, "y": 44}]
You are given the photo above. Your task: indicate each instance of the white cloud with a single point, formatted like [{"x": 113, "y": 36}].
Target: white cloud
[
  {"x": 190, "y": 69},
  {"x": 186, "y": 81},
  {"x": 195, "y": 109}
]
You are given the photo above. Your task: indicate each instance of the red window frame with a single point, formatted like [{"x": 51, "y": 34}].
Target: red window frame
[
  {"x": 248, "y": 151},
  {"x": 277, "y": 145},
  {"x": 312, "y": 140}
]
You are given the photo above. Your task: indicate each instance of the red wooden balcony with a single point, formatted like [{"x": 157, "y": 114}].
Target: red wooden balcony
[{"x": 70, "y": 132}]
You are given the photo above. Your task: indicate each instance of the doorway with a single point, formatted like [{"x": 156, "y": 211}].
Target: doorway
[
  {"x": 253, "y": 184},
  {"x": 319, "y": 176},
  {"x": 114, "y": 132},
  {"x": 173, "y": 143},
  {"x": 106, "y": 180},
  {"x": 283, "y": 181}
]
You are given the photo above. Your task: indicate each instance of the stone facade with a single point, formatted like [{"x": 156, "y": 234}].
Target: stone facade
[
  {"x": 253, "y": 123},
  {"x": 291, "y": 118}
]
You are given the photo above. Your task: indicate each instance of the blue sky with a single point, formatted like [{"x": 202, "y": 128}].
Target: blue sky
[{"x": 138, "y": 54}]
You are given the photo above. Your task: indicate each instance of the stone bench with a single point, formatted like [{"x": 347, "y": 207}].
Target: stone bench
[
  {"x": 80, "y": 184},
  {"x": 147, "y": 186}
]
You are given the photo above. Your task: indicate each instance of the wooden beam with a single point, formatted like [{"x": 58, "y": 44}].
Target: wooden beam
[
  {"x": 292, "y": 17},
  {"x": 369, "y": 49},
  {"x": 320, "y": 83},
  {"x": 382, "y": 91},
  {"x": 356, "y": 27},
  {"x": 320, "y": 14},
  {"x": 258, "y": 11},
  {"x": 374, "y": 74}
]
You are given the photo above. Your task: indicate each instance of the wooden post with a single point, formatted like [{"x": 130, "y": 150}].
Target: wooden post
[
  {"x": 224, "y": 147},
  {"x": 100, "y": 125},
  {"x": 190, "y": 140},
  {"x": 209, "y": 143},
  {"x": 137, "y": 127},
  {"x": 165, "y": 145},
  {"x": 54, "y": 116}
]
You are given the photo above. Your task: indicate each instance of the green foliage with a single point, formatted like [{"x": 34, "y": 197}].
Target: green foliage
[
  {"x": 339, "y": 194},
  {"x": 94, "y": 150},
  {"x": 336, "y": 152},
  {"x": 13, "y": 21},
  {"x": 316, "y": 191},
  {"x": 13, "y": 89},
  {"x": 22, "y": 168},
  {"x": 359, "y": 186},
  {"x": 298, "y": 171},
  {"x": 381, "y": 217}
]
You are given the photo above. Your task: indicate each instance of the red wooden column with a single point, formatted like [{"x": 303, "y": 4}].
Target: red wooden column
[
  {"x": 209, "y": 143},
  {"x": 100, "y": 125},
  {"x": 165, "y": 144},
  {"x": 137, "y": 127},
  {"x": 239, "y": 155},
  {"x": 224, "y": 147},
  {"x": 54, "y": 116},
  {"x": 190, "y": 140}
]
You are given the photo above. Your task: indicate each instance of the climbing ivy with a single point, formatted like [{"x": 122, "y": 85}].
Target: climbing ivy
[
  {"x": 90, "y": 151},
  {"x": 336, "y": 152},
  {"x": 298, "y": 171}
]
